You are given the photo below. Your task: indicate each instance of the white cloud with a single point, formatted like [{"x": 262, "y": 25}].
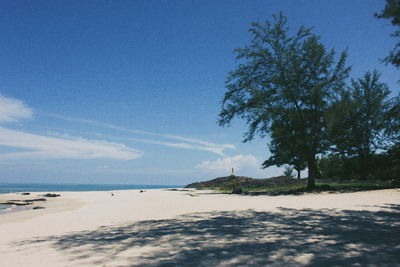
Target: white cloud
[
  {"x": 190, "y": 143},
  {"x": 38, "y": 146},
  {"x": 238, "y": 162},
  {"x": 246, "y": 165},
  {"x": 12, "y": 110},
  {"x": 64, "y": 146}
]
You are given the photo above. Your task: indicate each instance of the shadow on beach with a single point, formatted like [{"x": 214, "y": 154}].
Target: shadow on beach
[{"x": 288, "y": 237}]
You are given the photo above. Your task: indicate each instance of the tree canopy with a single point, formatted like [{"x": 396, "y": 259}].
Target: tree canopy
[
  {"x": 360, "y": 119},
  {"x": 285, "y": 148},
  {"x": 285, "y": 83},
  {"x": 391, "y": 11}
]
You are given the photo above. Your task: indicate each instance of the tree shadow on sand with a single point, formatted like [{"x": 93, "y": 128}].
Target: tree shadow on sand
[{"x": 288, "y": 237}]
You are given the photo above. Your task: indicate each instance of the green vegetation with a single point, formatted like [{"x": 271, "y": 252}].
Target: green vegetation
[
  {"x": 383, "y": 167},
  {"x": 283, "y": 87},
  {"x": 296, "y": 189},
  {"x": 289, "y": 172},
  {"x": 391, "y": 11},
  {"x": 289, "y": 87},
  {"x": 358, "y": 125},
  {"x": 232, "y": 182},
  {"x": 261, "y": 189}
]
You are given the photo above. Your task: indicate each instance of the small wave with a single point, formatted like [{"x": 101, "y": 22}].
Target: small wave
[{"x": 5, "y": 209}]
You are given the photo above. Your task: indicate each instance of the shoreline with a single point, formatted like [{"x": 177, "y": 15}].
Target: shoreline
[
  {"x": 7, "y": 188},
  {"x": 26, "y": 212},
  {"x": 96, "y": 228}
]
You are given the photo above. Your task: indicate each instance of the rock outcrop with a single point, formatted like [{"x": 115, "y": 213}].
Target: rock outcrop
[
  {"x": 50, "y": 195},
  {"x": 246, "y": 182}
]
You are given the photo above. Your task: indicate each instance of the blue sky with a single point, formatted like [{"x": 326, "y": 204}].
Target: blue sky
[{"x": 129, "y": 91}]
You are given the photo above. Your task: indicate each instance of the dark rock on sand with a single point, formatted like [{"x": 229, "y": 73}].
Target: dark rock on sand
[
  {"x": 16, "y": 202},
  {"x": 25, "y": 194},
  {"x": 21, "y": 202},
  {"x": 38, "y": 208},
  {"x": 50, "y": 195},
  {"x": 28, "y": 200},
  {"x": 36, "y": 199}
]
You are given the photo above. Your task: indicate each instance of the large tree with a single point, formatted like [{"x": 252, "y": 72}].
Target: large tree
[
  {"x": 285, "y": 81},
  {"x": 360, "y": 120},
  {"x": 391, "y": 11}
]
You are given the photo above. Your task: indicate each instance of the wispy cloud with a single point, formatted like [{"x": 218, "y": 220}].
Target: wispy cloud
[
  {"x": 38, "y": 146},
  {"x": 12, "y": 109},
  {"x": 201, "y": 142},
  {"x": 152, "y": 171},
  {"x": 212, "y": 149},
  {"x": 189, "y": 143},
  {"x": 65, "y": 146}
]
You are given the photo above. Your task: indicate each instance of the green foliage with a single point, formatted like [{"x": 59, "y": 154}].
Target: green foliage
[
  {"x": 385, "y": 166},
  {"x": 285, "y": 148},
  {"x": 283, "y": 87},
  {"x": 391, "y": 11},
  {"x": 289, "y": 172},
  {"x": 393, "y": 120},
  {"x": 358, "y": 120},
  {"x": 332, "y": 167},
  {"x": 262, "y": 189},
  {"x": 356, "y": 186},
  {"x": 298, "y": 189},
  {"x": 394, "y": 161}
]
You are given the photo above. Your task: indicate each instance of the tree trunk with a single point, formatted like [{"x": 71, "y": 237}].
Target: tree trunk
[
  {"x": 312, "y": 172},
  {"x": 298, "y": 174}
]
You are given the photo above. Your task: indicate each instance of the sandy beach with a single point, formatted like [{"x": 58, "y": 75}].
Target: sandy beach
[{"x": 197, "y": 228}]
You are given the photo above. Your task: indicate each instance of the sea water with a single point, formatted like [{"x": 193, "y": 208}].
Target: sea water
[
  {"x": 14, "y": 188},
  {"x": 4, "y": 207}
]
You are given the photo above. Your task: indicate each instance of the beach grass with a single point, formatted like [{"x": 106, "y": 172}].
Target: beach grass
[
  {"x": 320, "y": 187},
  {"x": 260, "y": 189}
]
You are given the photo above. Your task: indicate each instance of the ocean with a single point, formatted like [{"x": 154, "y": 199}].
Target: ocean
[{"x": 8, "y": 187}]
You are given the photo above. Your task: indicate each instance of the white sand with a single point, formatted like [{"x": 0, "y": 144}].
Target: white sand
[{"x": 97, "y": 229}]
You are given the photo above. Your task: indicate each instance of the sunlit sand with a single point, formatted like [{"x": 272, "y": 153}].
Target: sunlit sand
[{"x": 163, "y": 227}]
